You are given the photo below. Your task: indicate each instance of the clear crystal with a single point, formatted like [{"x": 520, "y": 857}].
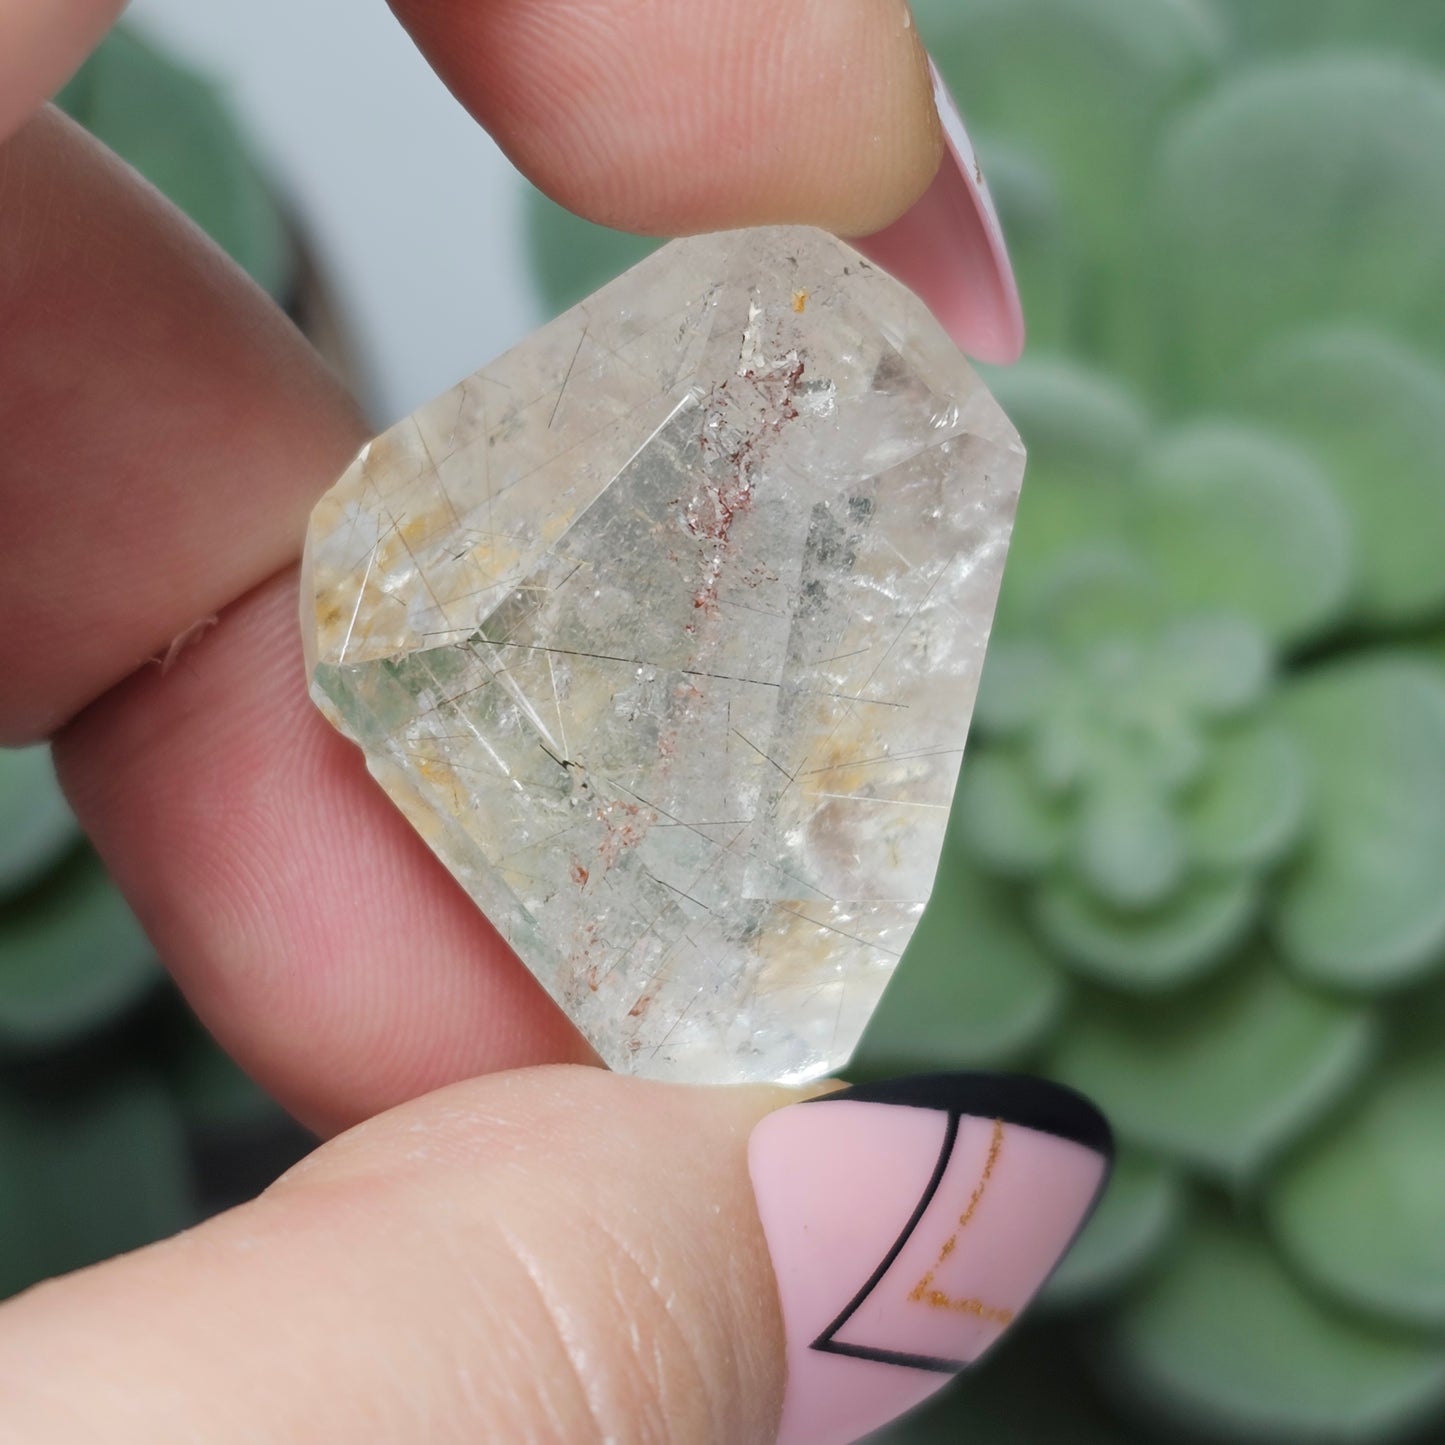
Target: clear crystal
[{"x": 664, "y": 630}]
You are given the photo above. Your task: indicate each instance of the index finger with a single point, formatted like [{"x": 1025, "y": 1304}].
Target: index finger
[
  {"x": 41, "y": 44},
  {"x": 672, "y": 118}
]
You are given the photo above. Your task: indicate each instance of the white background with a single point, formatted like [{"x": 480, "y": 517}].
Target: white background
[{"x": 416, "y": 214}]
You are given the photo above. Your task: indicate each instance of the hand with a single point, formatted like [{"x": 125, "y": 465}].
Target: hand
[{"x": 551, "y": 1254}]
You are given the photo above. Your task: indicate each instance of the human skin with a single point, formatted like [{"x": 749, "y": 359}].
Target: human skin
[{"x": 455, "y": 1265}]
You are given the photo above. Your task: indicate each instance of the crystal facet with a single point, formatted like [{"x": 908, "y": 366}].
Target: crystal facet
[{"x": 664, "y": 630}]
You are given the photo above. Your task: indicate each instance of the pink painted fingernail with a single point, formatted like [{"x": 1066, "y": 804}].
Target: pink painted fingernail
[
  {"x": 949, "y": 249},
  {"x": 909, "y": 1223}
]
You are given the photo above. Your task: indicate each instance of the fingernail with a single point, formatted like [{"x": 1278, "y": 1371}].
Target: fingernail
[
  {"x": 909, "y": 1223},
  {"x": 950, "y": 249}
]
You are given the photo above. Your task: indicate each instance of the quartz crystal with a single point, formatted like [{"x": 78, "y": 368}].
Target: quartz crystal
[{"x": 664, "y": 629}]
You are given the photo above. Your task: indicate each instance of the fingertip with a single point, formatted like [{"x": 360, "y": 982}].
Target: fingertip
[
  {"x": 909, "y": 1223},
  {"x": 41, "y": 46},
  {"x": 673, "y": 119},
  {"x": 950, "y": 249}
]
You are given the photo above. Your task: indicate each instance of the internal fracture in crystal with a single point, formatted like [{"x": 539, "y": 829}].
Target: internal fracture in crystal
[{"x": 664, "y": 631}]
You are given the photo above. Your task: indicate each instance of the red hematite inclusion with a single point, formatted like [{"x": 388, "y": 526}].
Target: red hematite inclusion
[
  {"x": 768, "y": 402},
  {"x": 663, "y": 630}
]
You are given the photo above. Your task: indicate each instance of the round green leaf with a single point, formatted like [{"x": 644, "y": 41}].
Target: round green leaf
[
  {"x": 1223, "y": 1076},
  {"x": 89, "y": 1171},
  {"x": 36, "y": 825},
  {"x": 1224, "y": 1344},
  {"x": 1158, "y": 949},
  {"x": 1022, "y": 684},
  {"x": 171, "y": 125},
  {"x": 973, "y": 989},
  {"x": 1128, "y": 849},
  {"x": 1249, "y": 807},
  {"x": 1100, "y": 601},
  {"x": 1058, "y": 755},
  {"x": 1080, "y": 85},
  {"x": 1135, "y": 1220},
  {"x": 1043, "y": 247},
  {"x": 209, "y": 1088},
  {"x": 1299, "y": 193},
  {"x": 1371, "y": 412},
  {"x": 1364, "y": 906},
  {"x": 571, "y": 257},
  {"x": 72, "y": 956},
  {"x": 22, "y": 1251},
  {"x": 1081, "y": 427},
  {"x": 1217, "y": 666},
  {"x": 1361, "y": 1212},
  {"x": 1008, "y": 825},
  {"x": 1413, "y": 27},
  {"x": 1239, "y": 521},
  {"x": 1084, "y": 435}
]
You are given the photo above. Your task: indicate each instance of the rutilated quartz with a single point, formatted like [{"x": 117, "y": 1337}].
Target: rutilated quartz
[{"x": 664, "y": 630}]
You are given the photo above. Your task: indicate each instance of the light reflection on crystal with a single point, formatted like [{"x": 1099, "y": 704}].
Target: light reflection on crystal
[{"x": 664, "y": 630}]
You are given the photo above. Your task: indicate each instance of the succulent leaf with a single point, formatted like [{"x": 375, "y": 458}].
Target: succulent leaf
[
  {"x": 1364, "y": 906},
  {"x": 36, "y": 825},
  {"x": 1140, "y": 1211},
  {"x": 1147, "y": 951},
  {"x": 1359, "y": 1211},
  {"x": 1240, "y": 521},
  {"x": 975, "y": 991},
  {"x": 1413, "y": 27},
  {"x": 1218, "y": 666},
  {"x": 209, "y": 1089},
  {"x": 72, "y": 957},
  {"x": 1371, "y": 411},
  {"x": 1224, "y": 1076},
  {"x": 1082, "y": 89},
  {"x": 87, "y": 1172},
  {"x": 1044, "y": 249},
  {"x": 1009, "y": 826},
  {"x": 1297, "y": 193},
  {"x": 1084, "y": 435},
  {"x": 19, "y": 1226},
  {"x": 1223, "y": 1343},
  {"x": 1100, "y": 604},
  {"x": 1128, "y": 846},
  {"x": 1250, "y": 806}
]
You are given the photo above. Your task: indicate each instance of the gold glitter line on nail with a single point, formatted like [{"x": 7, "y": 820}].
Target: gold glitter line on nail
[{"x": 923, "y": 1292}]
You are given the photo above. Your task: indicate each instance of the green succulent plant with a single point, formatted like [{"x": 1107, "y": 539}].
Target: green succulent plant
[
  {"x": 1197, "y": 861},
  {"x": 115, "y": 1106}
]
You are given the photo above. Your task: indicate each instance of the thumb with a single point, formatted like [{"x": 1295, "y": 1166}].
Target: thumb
[{"x": 565, "y": 1255}]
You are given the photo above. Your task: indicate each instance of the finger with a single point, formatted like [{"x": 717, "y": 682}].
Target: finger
[
  {"x": 42, "y": 43},
  {"x": 190, "y": 455},
  {"x": 166, "y": 428},
  {"x": 564, "y": 1255},
  {"x": 676, "y": 116},
  {"x": 166, "y": 434},
  {"x": 307, "y": 923},
  {"x": 949, "y": 247}
]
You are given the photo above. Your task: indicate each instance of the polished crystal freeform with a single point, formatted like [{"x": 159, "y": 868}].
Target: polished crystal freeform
[{"x": 664, "y": 629}]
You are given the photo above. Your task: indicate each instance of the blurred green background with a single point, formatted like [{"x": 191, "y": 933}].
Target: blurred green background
[{"x": 1197, "y": 867}]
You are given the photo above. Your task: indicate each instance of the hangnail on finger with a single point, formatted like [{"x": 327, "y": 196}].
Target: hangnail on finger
[{"x": 909, "y": 1224}]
